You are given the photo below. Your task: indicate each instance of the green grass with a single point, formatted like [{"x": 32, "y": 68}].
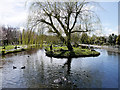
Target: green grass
[
  {"x": 17, "y": 50},
  {"x": 56, "y": 48},
  {"x": 8, "y": 47},
  {"x": 77, "y": 52}
]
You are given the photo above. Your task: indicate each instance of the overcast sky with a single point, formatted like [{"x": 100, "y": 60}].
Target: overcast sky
[{"x": 14, "y": 13}]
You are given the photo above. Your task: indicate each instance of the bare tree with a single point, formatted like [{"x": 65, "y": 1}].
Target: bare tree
[
  {"x": 70, "y": 17},
  {"x": 9, "y": 35}
]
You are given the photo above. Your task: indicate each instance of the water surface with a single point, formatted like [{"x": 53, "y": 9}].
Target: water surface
[{"x": 45, "y": 72}]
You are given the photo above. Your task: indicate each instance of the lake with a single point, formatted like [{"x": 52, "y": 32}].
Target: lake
[{"x": 45, "y": 72}]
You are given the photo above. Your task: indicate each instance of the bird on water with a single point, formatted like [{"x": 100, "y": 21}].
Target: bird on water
[
  {"x": 14, "y": 67},
  {"x": 23, "y": 67}
]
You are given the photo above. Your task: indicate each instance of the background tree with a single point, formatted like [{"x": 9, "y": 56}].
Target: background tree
[
  {"x": 23, "y": 37},
  {"x": 9, "y": 35},
  {"x": 70, "y": 17},
  {"x": 92, "y": 39},
  {"x": 20, "y": 38},
  {"x": 41, "y": 34},
  {"x": 100, "y": 40},
  {"x": 32, "y": 35},
  {"x": 85, "y": 38},
  {"x": 75, "y": 38},
  {"x": 118, "y": 40},
  {"x": 27, "y": 37},
  {"x": 112, "y": 39}
]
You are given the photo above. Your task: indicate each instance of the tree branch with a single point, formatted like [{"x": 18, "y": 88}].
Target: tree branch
[
  {"x": 80, "y": 31},
  {"x": 58, "y": 19},
  {"x": 77, "y": 13},
  {"x": 56, "y": 31},
  {"x": 42, "y": 20}
]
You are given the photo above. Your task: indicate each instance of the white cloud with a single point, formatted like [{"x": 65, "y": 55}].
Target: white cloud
[
  {"x": 13, "y": 12},
  {"x": 89, "y": 7},
  {"x": 118, "y": 29},
  {"x": 107, "y": 31}
]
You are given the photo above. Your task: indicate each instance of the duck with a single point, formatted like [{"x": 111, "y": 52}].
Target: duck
[
  {"x": 23, "y": 67},
  {"x": 14, "y": 67}
]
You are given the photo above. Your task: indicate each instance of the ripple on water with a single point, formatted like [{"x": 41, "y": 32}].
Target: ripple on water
[{"x": 42, "y": 71}]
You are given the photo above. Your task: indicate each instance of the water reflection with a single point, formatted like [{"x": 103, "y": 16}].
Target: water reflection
[
  {"x": 112, "y": 53},
  {"x": 68, "y": 64},
  {"x": 44, "y": 72},
  {"x": 51, "y": 59}
]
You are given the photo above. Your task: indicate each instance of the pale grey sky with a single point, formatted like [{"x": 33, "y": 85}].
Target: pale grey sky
[{"x": 14, "y": 13}]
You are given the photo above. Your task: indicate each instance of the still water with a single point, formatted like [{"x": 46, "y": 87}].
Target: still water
[{"x": 45, "y": 72}]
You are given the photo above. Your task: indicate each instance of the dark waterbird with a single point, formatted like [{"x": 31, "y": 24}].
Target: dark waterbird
[
  {"x": 23, "y": 67},
  {"x": 14, "y": 67}
]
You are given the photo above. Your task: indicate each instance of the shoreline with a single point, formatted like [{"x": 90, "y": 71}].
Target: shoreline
[
  {"x": 108, "y": 48},
  {"x": 62, "y": 52}
]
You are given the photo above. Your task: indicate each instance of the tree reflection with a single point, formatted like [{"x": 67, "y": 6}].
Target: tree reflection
[
  {"x": 112, "y": 53},
  {"x": 68, "y": 64},
  {"x": 84, "y": 76},
  {"x": 51, "y": 59}
]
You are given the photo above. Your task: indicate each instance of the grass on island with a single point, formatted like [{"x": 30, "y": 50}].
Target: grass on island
[
  {"x": 59, "y": 52},
  {"x": 62, "y": 52},
  {"x": 8, "y": 48}
]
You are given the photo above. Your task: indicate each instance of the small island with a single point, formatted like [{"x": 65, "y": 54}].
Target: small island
[{"x": 63, "y": 52}]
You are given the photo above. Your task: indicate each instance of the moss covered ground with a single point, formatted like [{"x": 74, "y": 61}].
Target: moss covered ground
[{"x": 63, "y": 52}]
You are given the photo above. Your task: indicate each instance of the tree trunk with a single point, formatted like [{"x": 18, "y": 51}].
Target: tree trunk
[{"x": 69, "y": 46}]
